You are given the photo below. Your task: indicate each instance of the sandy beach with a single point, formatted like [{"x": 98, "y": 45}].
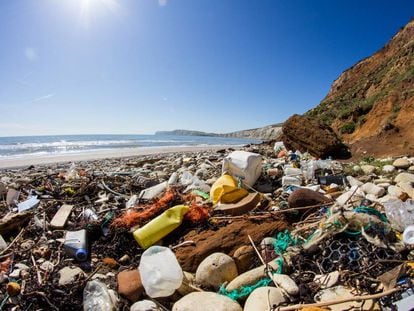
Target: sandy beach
[{"x": 104, "y": 154}]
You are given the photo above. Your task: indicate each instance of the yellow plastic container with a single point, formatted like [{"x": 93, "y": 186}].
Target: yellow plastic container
[
  {"x": 160, "y": 226},
  {"x": 225, "y": 190}
]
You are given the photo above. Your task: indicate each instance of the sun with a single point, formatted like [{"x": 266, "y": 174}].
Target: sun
[{"x": 89, "y": 7}]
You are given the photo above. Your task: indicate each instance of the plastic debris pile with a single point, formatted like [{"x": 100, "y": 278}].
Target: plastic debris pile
[{"x": 261, "y": 228}]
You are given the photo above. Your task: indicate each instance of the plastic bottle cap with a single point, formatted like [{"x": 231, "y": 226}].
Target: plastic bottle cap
[
  {"x": 408, "y": 235},
  {"x": 81, "y": 254}
]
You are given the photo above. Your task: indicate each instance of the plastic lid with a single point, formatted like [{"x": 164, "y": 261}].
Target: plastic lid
[{"x": 81, "y": 254}]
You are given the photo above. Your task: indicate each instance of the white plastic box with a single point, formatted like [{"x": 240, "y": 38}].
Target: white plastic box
[{"x": 244, "y": 165}]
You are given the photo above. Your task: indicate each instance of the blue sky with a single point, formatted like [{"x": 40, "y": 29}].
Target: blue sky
[{"x": 138, "y": 66}]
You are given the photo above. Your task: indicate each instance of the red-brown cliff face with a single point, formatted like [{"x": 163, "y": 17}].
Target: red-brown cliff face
[{"x": 371, "y": 105}]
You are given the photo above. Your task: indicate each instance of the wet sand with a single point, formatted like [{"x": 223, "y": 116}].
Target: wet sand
[{"x": 103, "y": 154}]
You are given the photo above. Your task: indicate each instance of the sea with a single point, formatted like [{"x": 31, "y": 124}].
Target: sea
[{"x": 27, "y": 146}]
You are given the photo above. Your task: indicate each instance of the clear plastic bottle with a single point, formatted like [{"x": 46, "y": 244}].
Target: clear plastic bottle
[{"x": 96, "y": 297}]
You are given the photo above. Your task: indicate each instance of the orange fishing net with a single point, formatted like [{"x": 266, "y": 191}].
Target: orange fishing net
[
  {"x": 197, "y": 213},
  {"x": 146, "y": 212}
]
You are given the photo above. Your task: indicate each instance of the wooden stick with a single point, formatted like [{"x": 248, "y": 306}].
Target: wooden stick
[
  {"x": 185, "y": 243},
  {"x": 334, "y": 302},
  {"x": 99, "y": 266},
  {"x": 269, "y": 274},
  {"x": 39, "y": 276},
  {"x": 112, "y": 191},
  {"x": 267, "y": 214}
]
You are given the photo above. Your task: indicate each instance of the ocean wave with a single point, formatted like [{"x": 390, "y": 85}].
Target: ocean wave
[
  {"x": 65, "y": 144},
  {"x": 164, "y": 141}
]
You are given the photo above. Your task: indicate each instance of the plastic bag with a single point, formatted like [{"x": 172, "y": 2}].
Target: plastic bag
[
  {"x": 193, "y": 182},
  {"x": 399, "y": 213},
  {"x": 225, "y": 190},
  {"x": 160, "y": 272}
]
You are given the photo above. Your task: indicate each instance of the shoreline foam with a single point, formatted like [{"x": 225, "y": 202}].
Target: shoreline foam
[{"x": 103, "y": 154}]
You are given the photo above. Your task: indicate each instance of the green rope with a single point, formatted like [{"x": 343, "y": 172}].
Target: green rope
[
  {"x": 371, "y": 211},
  {"x": 283, "y": 241},
  {"x": 244, "y": 291}
]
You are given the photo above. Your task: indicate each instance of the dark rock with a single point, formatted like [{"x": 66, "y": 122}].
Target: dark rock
[
  {"x": 306, "y": 134},
  {"x": 305, "y": 197}
]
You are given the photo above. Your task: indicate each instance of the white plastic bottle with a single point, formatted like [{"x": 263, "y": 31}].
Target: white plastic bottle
[{"x": 160, "y": 272}]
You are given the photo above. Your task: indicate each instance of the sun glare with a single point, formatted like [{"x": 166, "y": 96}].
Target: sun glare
[{"x": 88, "y": 8}]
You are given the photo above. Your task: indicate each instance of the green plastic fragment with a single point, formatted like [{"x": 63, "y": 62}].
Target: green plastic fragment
[{"x": 202, "y": 194}]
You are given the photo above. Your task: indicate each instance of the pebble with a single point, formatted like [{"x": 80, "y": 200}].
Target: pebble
[
  {"x": 370, "y": 188},
  {"x": 384, "y": 185},
  {"x": 407, "y": 188},
  {"x": 353, "y": 181},
  {"x": 205, "y": 301},
  {"x": 382, "y": 181},
  {"x": 341, "y": 292},
  {"x": 216, "y": 269},
  {"x": 125, "y": 259},
  {"x": 394, "y": 191},
  {"x": 130, "y": 285},
  {"x": 356, "y": 168},
  {"x": 401, "y": 163},
  {"x": 262, "y": 297},
  {"x": 243, "y": 257},
  {"x": 388, "y": 169},
  {"x": 411, "y": 169},
  {"x": 404, "y": 177},
  {"x": 144, "y": 305},
  {"x": 368, "y": 169},
  {"x": 110, "y": 262},
  {"x": 188, "y": 279},
  {"x": 327, "y": 280},
  {"x": 286, "y": 283},
  {"x": 250, "y": 277},
  {"x": 69, "y": 275},
  {"x": 371, "y": 197},
  {"x": 353, "y": 194}
]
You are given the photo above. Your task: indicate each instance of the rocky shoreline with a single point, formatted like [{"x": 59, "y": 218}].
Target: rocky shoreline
[{"x": 307, "y": 231}]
